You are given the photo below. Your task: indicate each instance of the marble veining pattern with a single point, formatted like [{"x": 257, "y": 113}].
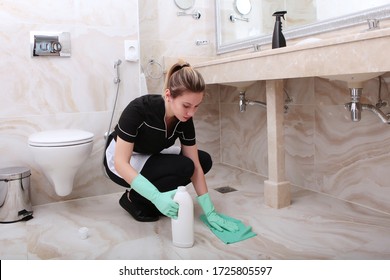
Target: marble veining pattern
[
  {"x": 44, "y": 93},
  {"x": 315, "y": 226},
  {"x": 324, "y": 150}
]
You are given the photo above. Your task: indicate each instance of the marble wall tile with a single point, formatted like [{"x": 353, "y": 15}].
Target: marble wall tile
[
  {"x": 301, "y": 91},
  {"x": 352, "y": 158},
  {"x": 77, "y": 92},
  {"x": 299, "y": 145},
  {"x": 207, "y": 124},
  {"x": 244, "y": 135},
  {"x": 299, "y": 131},
  {"x": 325, "y": 151},
  {"x": 164, "y": 34},
  {"x": 244, "y": 139},
  {"x": 42, "y": 12}
]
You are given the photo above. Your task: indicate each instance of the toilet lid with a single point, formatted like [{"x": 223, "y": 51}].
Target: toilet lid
[{"x": 60, "y": 137}]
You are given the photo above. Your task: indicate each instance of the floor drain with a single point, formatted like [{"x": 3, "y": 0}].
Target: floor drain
[{"x": 225, "y": 189}]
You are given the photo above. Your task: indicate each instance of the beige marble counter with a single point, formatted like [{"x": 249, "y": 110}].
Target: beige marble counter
[{"x": 362, "y": 52}]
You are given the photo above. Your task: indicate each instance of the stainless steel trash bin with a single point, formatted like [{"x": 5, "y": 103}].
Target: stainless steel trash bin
[{"x": 15, "y": 204}]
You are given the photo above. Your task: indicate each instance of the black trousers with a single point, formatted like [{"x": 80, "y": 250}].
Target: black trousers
[{"x": 166, "y": 172}]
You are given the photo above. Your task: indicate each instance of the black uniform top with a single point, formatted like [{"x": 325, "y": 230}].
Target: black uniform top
[{"x": 143, "y": 123}]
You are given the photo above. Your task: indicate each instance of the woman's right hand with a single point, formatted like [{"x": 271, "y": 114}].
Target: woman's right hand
[
  {"x": 162, "y": 200},
  {"x": 165, "y": 204}
]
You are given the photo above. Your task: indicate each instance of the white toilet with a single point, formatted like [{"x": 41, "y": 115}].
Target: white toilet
[{"x": 60, "y": 154}]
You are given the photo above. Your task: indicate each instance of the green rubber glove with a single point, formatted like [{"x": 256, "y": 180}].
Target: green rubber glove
[
  {"x": 215, "y": 220},
  {"x": 162, "y": 200}
]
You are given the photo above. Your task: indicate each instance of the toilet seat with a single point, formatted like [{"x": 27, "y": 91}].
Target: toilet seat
[{"x": 60, "y": 137}]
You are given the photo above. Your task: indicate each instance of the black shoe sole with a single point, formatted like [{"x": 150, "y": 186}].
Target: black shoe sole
[{"x": 137, "y": 214}]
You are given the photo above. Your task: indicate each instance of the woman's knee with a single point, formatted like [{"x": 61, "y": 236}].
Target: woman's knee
[
  {"x": 187, "y": 167},
  {"x": 205, "y": 161}
]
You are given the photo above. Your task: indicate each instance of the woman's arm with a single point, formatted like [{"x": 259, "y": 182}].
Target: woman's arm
[
  {"x": 163, "y": 201},
  {"x": 198, "y": 179},
  {"x": 123, "y": 152},
  {"x": 199, "y": 182}
]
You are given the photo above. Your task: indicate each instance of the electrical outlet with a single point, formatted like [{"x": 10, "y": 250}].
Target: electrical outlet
[{"x": 201, "y": 42}]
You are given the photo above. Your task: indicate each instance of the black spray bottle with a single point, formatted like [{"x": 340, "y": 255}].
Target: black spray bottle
[{"x": 278, "y": 40}]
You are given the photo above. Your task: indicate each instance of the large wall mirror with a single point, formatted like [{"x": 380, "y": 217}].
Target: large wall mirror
[{"x": 246, "y": 23}]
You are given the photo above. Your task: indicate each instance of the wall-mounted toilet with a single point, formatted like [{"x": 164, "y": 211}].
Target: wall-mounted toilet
[{"x": 60, "y": 154}]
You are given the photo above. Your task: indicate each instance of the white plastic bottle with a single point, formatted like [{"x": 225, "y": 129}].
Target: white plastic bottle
[{"x": 183, "y": 226}]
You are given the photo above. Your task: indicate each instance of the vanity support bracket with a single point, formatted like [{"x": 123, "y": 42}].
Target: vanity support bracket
[{"x": 277, "y": 193}]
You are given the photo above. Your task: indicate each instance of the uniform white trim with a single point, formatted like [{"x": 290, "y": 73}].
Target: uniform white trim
[{"x": 137, "y": 161}]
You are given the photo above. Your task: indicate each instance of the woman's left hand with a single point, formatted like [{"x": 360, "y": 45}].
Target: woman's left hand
[{"x": 215, "y": 220}]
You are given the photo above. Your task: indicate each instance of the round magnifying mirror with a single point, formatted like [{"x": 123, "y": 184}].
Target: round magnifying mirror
[
  {"x": 185, "y": 4},
  {"x": 243, "y": 6}
]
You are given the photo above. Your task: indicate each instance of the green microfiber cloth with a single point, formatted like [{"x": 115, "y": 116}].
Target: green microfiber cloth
[{"x": 244, "y": 232}]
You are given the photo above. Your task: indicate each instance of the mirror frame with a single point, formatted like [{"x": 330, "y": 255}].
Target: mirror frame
[
  {"x": 180, "y": 6},
  {"x": 381, "y": 12}
]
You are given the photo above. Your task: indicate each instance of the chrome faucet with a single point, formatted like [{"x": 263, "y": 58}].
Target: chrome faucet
[{"x": 243, "y": 102}]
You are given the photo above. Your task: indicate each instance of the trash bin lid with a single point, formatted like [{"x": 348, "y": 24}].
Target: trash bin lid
[{"x": 14, "y": 173}]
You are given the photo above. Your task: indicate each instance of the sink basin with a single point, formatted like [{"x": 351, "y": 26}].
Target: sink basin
[
  {"x": 354, "y": 80},
  {"x": 241, "y": 86}
]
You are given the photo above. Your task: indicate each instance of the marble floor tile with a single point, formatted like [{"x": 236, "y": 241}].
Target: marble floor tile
[{"x": 314, "y": 226}]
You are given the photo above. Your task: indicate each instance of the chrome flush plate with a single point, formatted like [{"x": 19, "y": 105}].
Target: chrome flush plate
[{"x": 45, "y": 43}]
